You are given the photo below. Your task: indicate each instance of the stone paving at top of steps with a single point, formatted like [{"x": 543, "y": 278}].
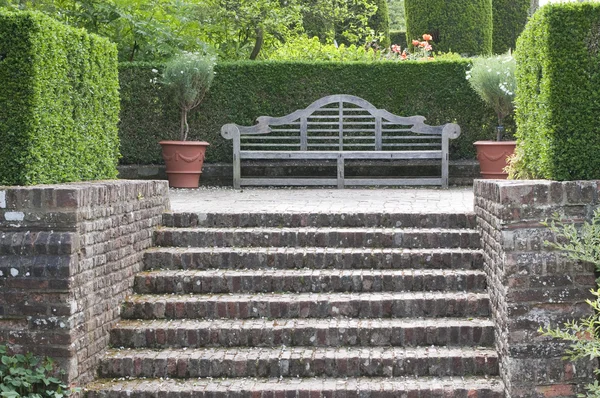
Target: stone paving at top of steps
[
  {"x": 287, "y": 387},
  {"x": 413, "y": 238},
  {"x": 311, "y": 200},
  {"x": 332, "y": 332},
  {"x": 310, "y": 257},
  {"x": 307, "y": 280},
  {"x": 306, "y": 305},
  {"x": 301, "y": 362}
]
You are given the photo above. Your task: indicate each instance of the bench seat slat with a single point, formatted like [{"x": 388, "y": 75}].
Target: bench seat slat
[
  {"x": 271, "y": 145},
  {"x": 344, "y": 154},
  {"x": 259, "y": 137}
]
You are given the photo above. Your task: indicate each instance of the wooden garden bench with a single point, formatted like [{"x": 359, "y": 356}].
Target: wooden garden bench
[{"x": 340, "y": 127}]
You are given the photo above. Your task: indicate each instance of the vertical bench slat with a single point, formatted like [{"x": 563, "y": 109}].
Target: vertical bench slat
[
  {"x": 341, "y": 125},
  {"x": 378, "y": 134}
]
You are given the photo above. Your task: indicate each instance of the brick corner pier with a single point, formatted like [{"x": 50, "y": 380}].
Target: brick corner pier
[
  {"x": 68, "y": 254},
  {"x": 531, "y": 285}
]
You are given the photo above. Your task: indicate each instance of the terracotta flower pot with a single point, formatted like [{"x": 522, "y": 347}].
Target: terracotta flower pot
[
  {"x": 184, "y": 161},
  {"x": 492, "y": 157}
]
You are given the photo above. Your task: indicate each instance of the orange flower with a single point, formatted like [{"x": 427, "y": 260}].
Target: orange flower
[
  {"x": 404, "y": 56},
  {"x": 422, "y": 44},
  {"x": 427, "y": 37},
  {"x": 415, "y": 42}
]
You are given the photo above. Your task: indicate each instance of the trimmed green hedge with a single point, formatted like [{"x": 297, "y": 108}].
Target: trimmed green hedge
[
  {"x": 243, "y": 91},
  {"x": 460, "y": 26},
  {"x": 510, "y": 17},
  {"x": 558, "y": 93},
  {"x": 398, "y": 37},
  {"x": 59, "y": 102}
]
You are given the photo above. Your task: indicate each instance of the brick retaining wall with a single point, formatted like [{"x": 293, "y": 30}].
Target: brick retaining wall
[
  {"x": 530, "y": 285},
  {"x": 68, "y": 254}
]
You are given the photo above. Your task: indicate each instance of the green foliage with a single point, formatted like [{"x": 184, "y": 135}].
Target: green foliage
[
  {"x": 244, "y": 29},
  {"x": 558, "y": 94},
  {"x": 305, "y": 49},
  {"x": 243, "y": 91},
  {"x": 510, "y": 17},
  {"x": 30, "y": 377},
  {"x": 493, "y": 79},
  {"x": 151, "y": 30},
  {"x": 142, "y": 29},
  {"x": 398, "y": 37},
  {"x": 346, "y": 21},
  {"x": 59, "y": 102},
  {"x": 580, "y": 245},
  {"x": 460, "y": 26},
  {"x": 380, "y": 23},
  {"x": 397, "y": 20},
  {"x": 188, "y": 77},
  {"x": 352, "y": 27}
]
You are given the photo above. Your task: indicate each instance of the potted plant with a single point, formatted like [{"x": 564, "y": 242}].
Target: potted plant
[
  {"x": 493, "y": 79},
  {"x": 187, "y": 77}
]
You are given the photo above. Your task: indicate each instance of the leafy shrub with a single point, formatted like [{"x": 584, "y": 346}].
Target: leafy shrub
[
  {"x": 580, "y": 245},
  {"x": 59, "y": 102},
  {"x": 398, "y": 37},
  {"x": 460, "y": 26},
  {"x": 29, "y": 376},
  {"x": 304, "y": 49},
  {"x": 188, "y": 77},
  {"x": 510, "y": 17},
  {"x": 243, "y": 91},
  {"x": 558, "y": 94},
  {"x": 345, "y": 21},
  {"x": 493, "y": 79},
  {"x": 380, "y": 23}
]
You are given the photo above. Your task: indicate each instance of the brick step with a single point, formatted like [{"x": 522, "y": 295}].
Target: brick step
[
  {"x": 296, "y": 220},
  {"x": 301, "y": 362},
  {"x": 306, "y": 305},
  {"x": 333, "y": 332},
  {"x": 425, "y": 387},
  {"x": 314, "y": 258},
  {"x": 319, "y": 237},
  {"x": 307, "y": 281}
]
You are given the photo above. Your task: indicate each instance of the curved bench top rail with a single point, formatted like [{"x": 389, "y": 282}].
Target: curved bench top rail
[{"x": 417, "y": 123}]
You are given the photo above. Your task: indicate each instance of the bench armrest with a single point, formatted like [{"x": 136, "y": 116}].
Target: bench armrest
[
  {"x": 451, "y": 130},
  {"x": 229, "y": 131}
]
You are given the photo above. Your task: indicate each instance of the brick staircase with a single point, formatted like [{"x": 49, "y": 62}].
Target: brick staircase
[{"x": 306, "y": 305}]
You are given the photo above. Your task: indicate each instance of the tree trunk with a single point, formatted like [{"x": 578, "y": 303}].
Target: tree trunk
[{"x": 260, "y": 38}]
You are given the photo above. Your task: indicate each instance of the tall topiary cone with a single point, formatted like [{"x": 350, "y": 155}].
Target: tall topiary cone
[
  {"x": 460, "y": 26},
  {"x": 380, "y": 22}
]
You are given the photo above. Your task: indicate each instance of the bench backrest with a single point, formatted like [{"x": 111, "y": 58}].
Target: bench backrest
[{"x": 342, "y": 122}]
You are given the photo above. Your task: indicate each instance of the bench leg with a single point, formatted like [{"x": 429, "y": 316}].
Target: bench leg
[
  {"x": 236, "y": 172},
  {"x": 237, "y": 167},
  {"x": 340, "y": 172}
]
